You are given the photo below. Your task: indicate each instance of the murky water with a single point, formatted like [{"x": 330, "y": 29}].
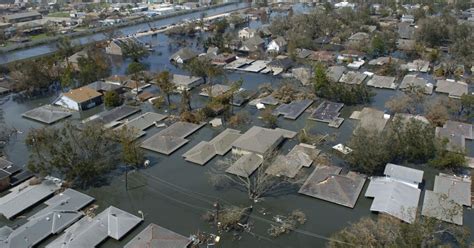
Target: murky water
[{"x": 174, "y": 193}]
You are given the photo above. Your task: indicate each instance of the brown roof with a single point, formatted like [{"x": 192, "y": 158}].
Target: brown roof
[{"x": 82, "y": 94}]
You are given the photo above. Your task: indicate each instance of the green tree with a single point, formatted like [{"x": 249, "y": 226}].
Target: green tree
[
  {"x": 377, "y": 46},
  {"x": 134, "y": 50},
  {"x": 386, "y": 231},
  {"x": 370, "y": 151},
  {"x": 81, "y": 156},
  {"x": 134, "y": 68},
  {"x": 67, "y": 77},
  {"x": 65, "y": 48},
  {"x": 93, "y": 67},
  {"x": 112, "y": 99},
  {"x": 164, "y": 82},
  {"x": 268, "y": 118}
]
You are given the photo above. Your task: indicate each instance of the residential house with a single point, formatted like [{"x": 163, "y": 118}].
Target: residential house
[
  {"x": 183, "y": 55},
  {"x": 406, "y": 45},
  {"x": 102, "y": 87},
  {"x": 410, "y": 81},
  {"x": 247, "y": 33},
  {"x": 260, "y": 141},
  {"x": 454, "y": 89},
  {"x": 73, "y": 60},
  {"x": 223, "y": 59},
  {"x": 251, "y": 45},
  {"x": 280, "y": 65},
  {"x": 119, "y": 46},
  {"x": 323, "y": 56},
  {"x": 80, "y": 99},
  {"x": 406, "y": 31},
  {"x": 358, "y": 39},
  {"x": 184, "y": 82},
  {"x": 159, "y": 237},
  {"x": 322, "y": 40},
  {"x": 408, "y": 19},
  {"x": 456, "y": 133},
  {"x": 277, "y": 45}
]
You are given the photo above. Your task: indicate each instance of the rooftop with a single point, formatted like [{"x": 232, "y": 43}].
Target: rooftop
[
  {"x": 47, "y": 114},
  {"x": 289, "y": 165},
  {"x": 454, "y": 89},
  {"x": 326, "y": 183},
  {"x": 159, "y": 237},
  {"x": 245, "y": 165},
  {"x": 403, "y": 173},
  {"x": 335, "y": 73},
  {"x": 82, "y": 94},
  {"x": 438, "y": 206},
  {"x": 370, "y": 118},
  {"x": 327, "y": 111},
  {"x": 111, "y": 117},
  {"x": 90, "y": 232},
  {"x": 294, "y": 109},
  {"x": 259, "y": 140},
  {"x": 353, "y": 77},
  {"x": 142, "y": 122},
  {"x": 25, "y": 195},
  {"x": 382, "y": 82},
  {"x": 214, "y": 90}
]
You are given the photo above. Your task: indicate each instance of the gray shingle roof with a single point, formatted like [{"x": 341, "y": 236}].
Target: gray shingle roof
[
  {"x": 142, "y": 122},
  {"x": 259, "y": 140},
  {"x": 61, "y": 212},
  {"x": 456, "y": 188},
  {"x": 403, "y": 173},
  {"x": 245, "y": 165},
  {"x": 382, "y": 82},
  {"x": 438, "y": 206},
  {"x": 302, "y": 155},
  {"x": 327, "y": 184},
  {"x": 327, "y": 111},
  {"x": 394, "y": 198},
  {"x": 454, "y": 89},
  {"x": 90, "y": 232},
  {"x": 370, "y": 118},
  {"x": 47, "y": 114},
  {"x": 294, "y": 109},
  {"x": 25, "y": 195},
  {"x": 158, "y": 237},
  {"x": 111, "y": 117},
  {"x": 353, "y": 77}
]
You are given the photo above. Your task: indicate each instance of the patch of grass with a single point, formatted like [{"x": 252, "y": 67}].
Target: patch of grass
[
  {"x": 59, "y": 14},
  {"x": 38, "y": 36}
]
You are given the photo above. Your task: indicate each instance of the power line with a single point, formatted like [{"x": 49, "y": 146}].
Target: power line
[{"x": 183, "y": 190}]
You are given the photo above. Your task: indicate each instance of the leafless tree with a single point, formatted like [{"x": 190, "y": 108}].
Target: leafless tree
[{"x": 256, "y": 183}]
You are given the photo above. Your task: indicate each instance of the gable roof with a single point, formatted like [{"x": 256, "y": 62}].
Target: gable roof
[{"x": 82, "y": 94}]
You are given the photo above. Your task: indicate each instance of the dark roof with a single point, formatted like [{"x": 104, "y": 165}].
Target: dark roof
[
  {"x": 281, "y": 63},
  {"x": 4, "y": 174},
  {"x": 322, "y": 40}
]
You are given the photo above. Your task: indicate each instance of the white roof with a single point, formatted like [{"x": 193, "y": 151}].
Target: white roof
[{"x": 403, "y": 173}]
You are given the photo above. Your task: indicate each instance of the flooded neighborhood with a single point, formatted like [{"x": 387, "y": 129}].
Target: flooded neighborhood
[{"x": 237, "y": 124}]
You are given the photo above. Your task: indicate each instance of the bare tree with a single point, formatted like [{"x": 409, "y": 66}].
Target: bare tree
[{"x": 257, "y": 183}]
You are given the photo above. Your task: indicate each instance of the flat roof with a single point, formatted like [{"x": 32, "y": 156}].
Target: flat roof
[
  {"x": 327, "y": 111},
  {"x": 25, "y": 195},
  {"x": 294, "y": 109},
  {"x": 326, "y": 183},
  {"x": 245, "y": 165},
  {"x": 47, "y": 114},
  {"x": 158, "y": 237},
  {"x": 90, "y": 232}
]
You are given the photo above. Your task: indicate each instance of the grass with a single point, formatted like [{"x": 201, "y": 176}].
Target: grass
[
  {"x": 38, "y": 36},
  {"x": 59, "y": 14}
]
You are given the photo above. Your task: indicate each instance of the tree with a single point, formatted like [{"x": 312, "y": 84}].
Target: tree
[
  {"x": 134, "y": 68},
  {"x": 134, "y": 50},
  {"x": 81, "y": 156},
  {"x": 370, "y": 151},
  {"x": 378, "y": 47},
  {"x": 269, "y": 118},
  {"x": 163, "y": 81},
  {"x": 201, "y": 67},
  {"x": 112, "y": 99},
  {"x": 67, "y": 77},
  {"x": 257, "y": 183},
  {"x": 387, "y": 231},
  {"x": 93, "y": 67},
  {"x": 185, "y": 101},
  {"x": 65, "y": 48}
]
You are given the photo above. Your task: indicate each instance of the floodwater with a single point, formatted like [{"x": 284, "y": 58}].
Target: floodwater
[
  {"x": 51, "y": 47},
  {"x": 174, "y": 193}
]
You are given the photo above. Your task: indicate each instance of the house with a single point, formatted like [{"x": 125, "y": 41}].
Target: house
[
  {"x": 80, "y": 99},
  {"x": 322, "y": 40},
  {"x": 408, "y": 19},
  {"x": 183, "y": 55},
  {"x": 223, "y": 58},
  {"x": 406, "y": 45},
  {"x": 454, "y": 89},
  {"x": 456, "y": 133},
  {"x": 280, "y": 65},
  {"x": 159, "y": 237},
  {"x": 73, "y": 60},
  {"x": 277, "y": 45},
  {"x": 303, "y": 73},
  {"x": 253, "y": 44},
  {"x": 22, "y": 17},
  {"x": 397, "y": 194},
  {"x": 412, "y": 81},
  {"x": 119, "y": 46},
  {"x": 370, "y": 119},
  {"x": 322, "y": 56},
  {"x": 417, "y": 65},
  {"x": 90, "y": 232},
  {"x": 406, "y": 31},
  {"x": 303, "y": 53},
  {"x": 358, "y": 39},
  {"x": 105, "y": 86},
  {"x": 184, "y": 82},
  {"x": 247, "y": 33},
  {"x": 260, "y": 141}
]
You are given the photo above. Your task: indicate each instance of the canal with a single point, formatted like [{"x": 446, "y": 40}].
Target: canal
[{"x": 175, "y": 194}]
